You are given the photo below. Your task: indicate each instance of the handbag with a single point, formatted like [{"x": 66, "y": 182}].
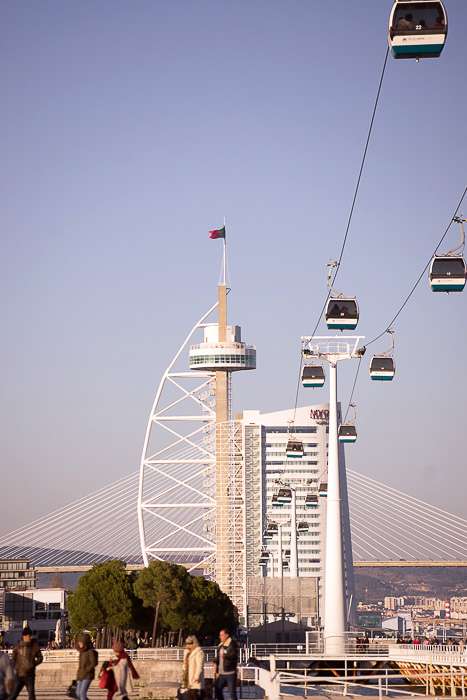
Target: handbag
[
  {"x": 71, "y": 690},
  {"x": 107, "y": 679}
]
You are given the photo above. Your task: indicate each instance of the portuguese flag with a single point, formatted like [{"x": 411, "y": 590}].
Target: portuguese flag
[{"x": 218, "y": 233}]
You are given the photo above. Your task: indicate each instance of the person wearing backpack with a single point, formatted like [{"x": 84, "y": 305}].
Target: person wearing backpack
[
  {"x": 26, "y": 656},
  {"x": 87, "y": 663}
]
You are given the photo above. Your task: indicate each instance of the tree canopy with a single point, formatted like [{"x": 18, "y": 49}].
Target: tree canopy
[
  {"x": 107, "y": 596},
  {"x": 186, "y": 602},
  {"x": 104, "y": 598}
]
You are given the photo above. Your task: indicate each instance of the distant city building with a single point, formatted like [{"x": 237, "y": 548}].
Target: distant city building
[
  {"x": 392, "y": 603},
  {"x": 400, "y": 624},
  {"x": 267, "y": 470},
  {"x": 369, "y": 619},
  {"x": 43, "y": 609},
  {"x": 17, "y": 574}
]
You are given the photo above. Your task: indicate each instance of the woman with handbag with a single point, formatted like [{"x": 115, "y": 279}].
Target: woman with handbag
[
  {"x": 119, "y": 674},
  {"x": 193, "y": 669}
]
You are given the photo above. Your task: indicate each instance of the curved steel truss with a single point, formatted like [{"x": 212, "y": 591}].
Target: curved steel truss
[{"x": 177, "y": 498}]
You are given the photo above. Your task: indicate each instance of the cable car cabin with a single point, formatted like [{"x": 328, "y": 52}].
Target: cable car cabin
[
  {"x": 341, "y": 314},
  {"x": 264, "y": 556},
  {"x": 347, "y": 432},
  {"x": 311, "y": 500},
  {"x": 313, "y": 376},
  {"x": 272, "y": 529},
  {"x": 417, "y": 29},
  {"x": 447, "y": 273},
  {"x": 294, "y": 448},
  {"x": 323, "y": 489},
  {"x": 284, "y": 496},
  {"x": 382, "y": 367},
  {"x": 267, "y": 535},
  {"x": 263, "y": 562},
  {"x": 287, "y": 555},
  {"x": 302, "y": 527},
  {"x": 275, "y": 501}
]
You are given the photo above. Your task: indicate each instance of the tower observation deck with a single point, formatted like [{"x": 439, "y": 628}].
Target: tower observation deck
[{"x": 229, "y": 356}]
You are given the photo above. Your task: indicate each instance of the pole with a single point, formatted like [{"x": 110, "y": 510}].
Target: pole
[
  {"x": 334, "y": 597},
  {"x": 293, "y": 538},
  {"x": 281, "y": 569}
]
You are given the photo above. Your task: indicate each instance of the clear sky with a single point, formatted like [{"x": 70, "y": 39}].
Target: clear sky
[{"x": 128, "y": 130}]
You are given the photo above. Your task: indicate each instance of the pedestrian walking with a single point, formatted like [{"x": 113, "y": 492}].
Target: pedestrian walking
[
  {"x": 7, "y": 676},
  {"x": 26, "y": 656},
  {"x": 124, "y": 673},
  {"x": 193, "y": 669},
  {"x": 86, "y": 667},
  {"x": 225, "y": 666}
]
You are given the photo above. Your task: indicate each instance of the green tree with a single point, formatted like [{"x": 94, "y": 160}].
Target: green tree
[
  {"x": 104, "y": 598},
  {"x": 166, "y": 588},
  {"x": 210, "y": 608},
  {"x": 183, "y": 602}
]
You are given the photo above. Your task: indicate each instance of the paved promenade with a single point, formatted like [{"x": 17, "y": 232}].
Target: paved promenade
[{"x": 94, "y": 693}]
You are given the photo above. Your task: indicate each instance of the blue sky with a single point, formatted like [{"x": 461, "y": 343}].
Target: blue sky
[{"x": 129, "y": 129}]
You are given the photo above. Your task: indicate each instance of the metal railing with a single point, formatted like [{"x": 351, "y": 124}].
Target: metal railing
[
  {"x": 262, "y": 651},
  {"x": 157, "y": 654},
  {"x": 427, "y": 653}
]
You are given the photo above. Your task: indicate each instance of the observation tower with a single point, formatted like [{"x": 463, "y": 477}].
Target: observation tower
[
  {"x": 191, "y": 503},
  {"x": 223, "y": 352}
]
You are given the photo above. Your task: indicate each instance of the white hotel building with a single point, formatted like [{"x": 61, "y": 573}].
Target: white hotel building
[{"x": 266, "y": 464}]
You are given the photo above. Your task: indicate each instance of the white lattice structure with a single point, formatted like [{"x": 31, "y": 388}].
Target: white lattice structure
[
  {"x": 191, "y": 504},
  {"x": 176, "y": 512}
]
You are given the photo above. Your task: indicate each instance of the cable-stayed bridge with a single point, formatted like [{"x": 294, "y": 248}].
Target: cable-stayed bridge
[{"x": 388, "y": 526}]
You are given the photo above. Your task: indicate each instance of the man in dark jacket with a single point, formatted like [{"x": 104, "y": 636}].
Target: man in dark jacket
[
  {"x": 225, "y": 666},
  {"x": 87, "y": 663},
  {"x": 26, "y": 656}
]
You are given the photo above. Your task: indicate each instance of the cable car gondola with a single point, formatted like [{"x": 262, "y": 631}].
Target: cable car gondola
[
  {"x": 302, "y": 527},
  {"x": 417, "y": 29},
  {"x": 448, "y": 272},
  {"x": 313, "y": 376},
  {"x": 272, "y": 529},
  {"x": 294, "y": 448},
  {"x": 382, "y": 367},
  {"x": 323, "y": 489},
  {"x": 284, "y": 495},
  {"x": 275, "y": 501},
  {"x": 341, "y": 312},
  {"x": 348, "y": 431},
  {"x": 311, "y": 500},
  {"x": 264, "y": 558}
]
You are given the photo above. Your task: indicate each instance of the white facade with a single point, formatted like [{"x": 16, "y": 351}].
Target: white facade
[
  {"x": 266, "y": 464},
  {"x": 42, "y": 609}
]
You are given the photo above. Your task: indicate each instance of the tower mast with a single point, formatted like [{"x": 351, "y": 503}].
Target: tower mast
[{"x": 222, "y": 443}]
